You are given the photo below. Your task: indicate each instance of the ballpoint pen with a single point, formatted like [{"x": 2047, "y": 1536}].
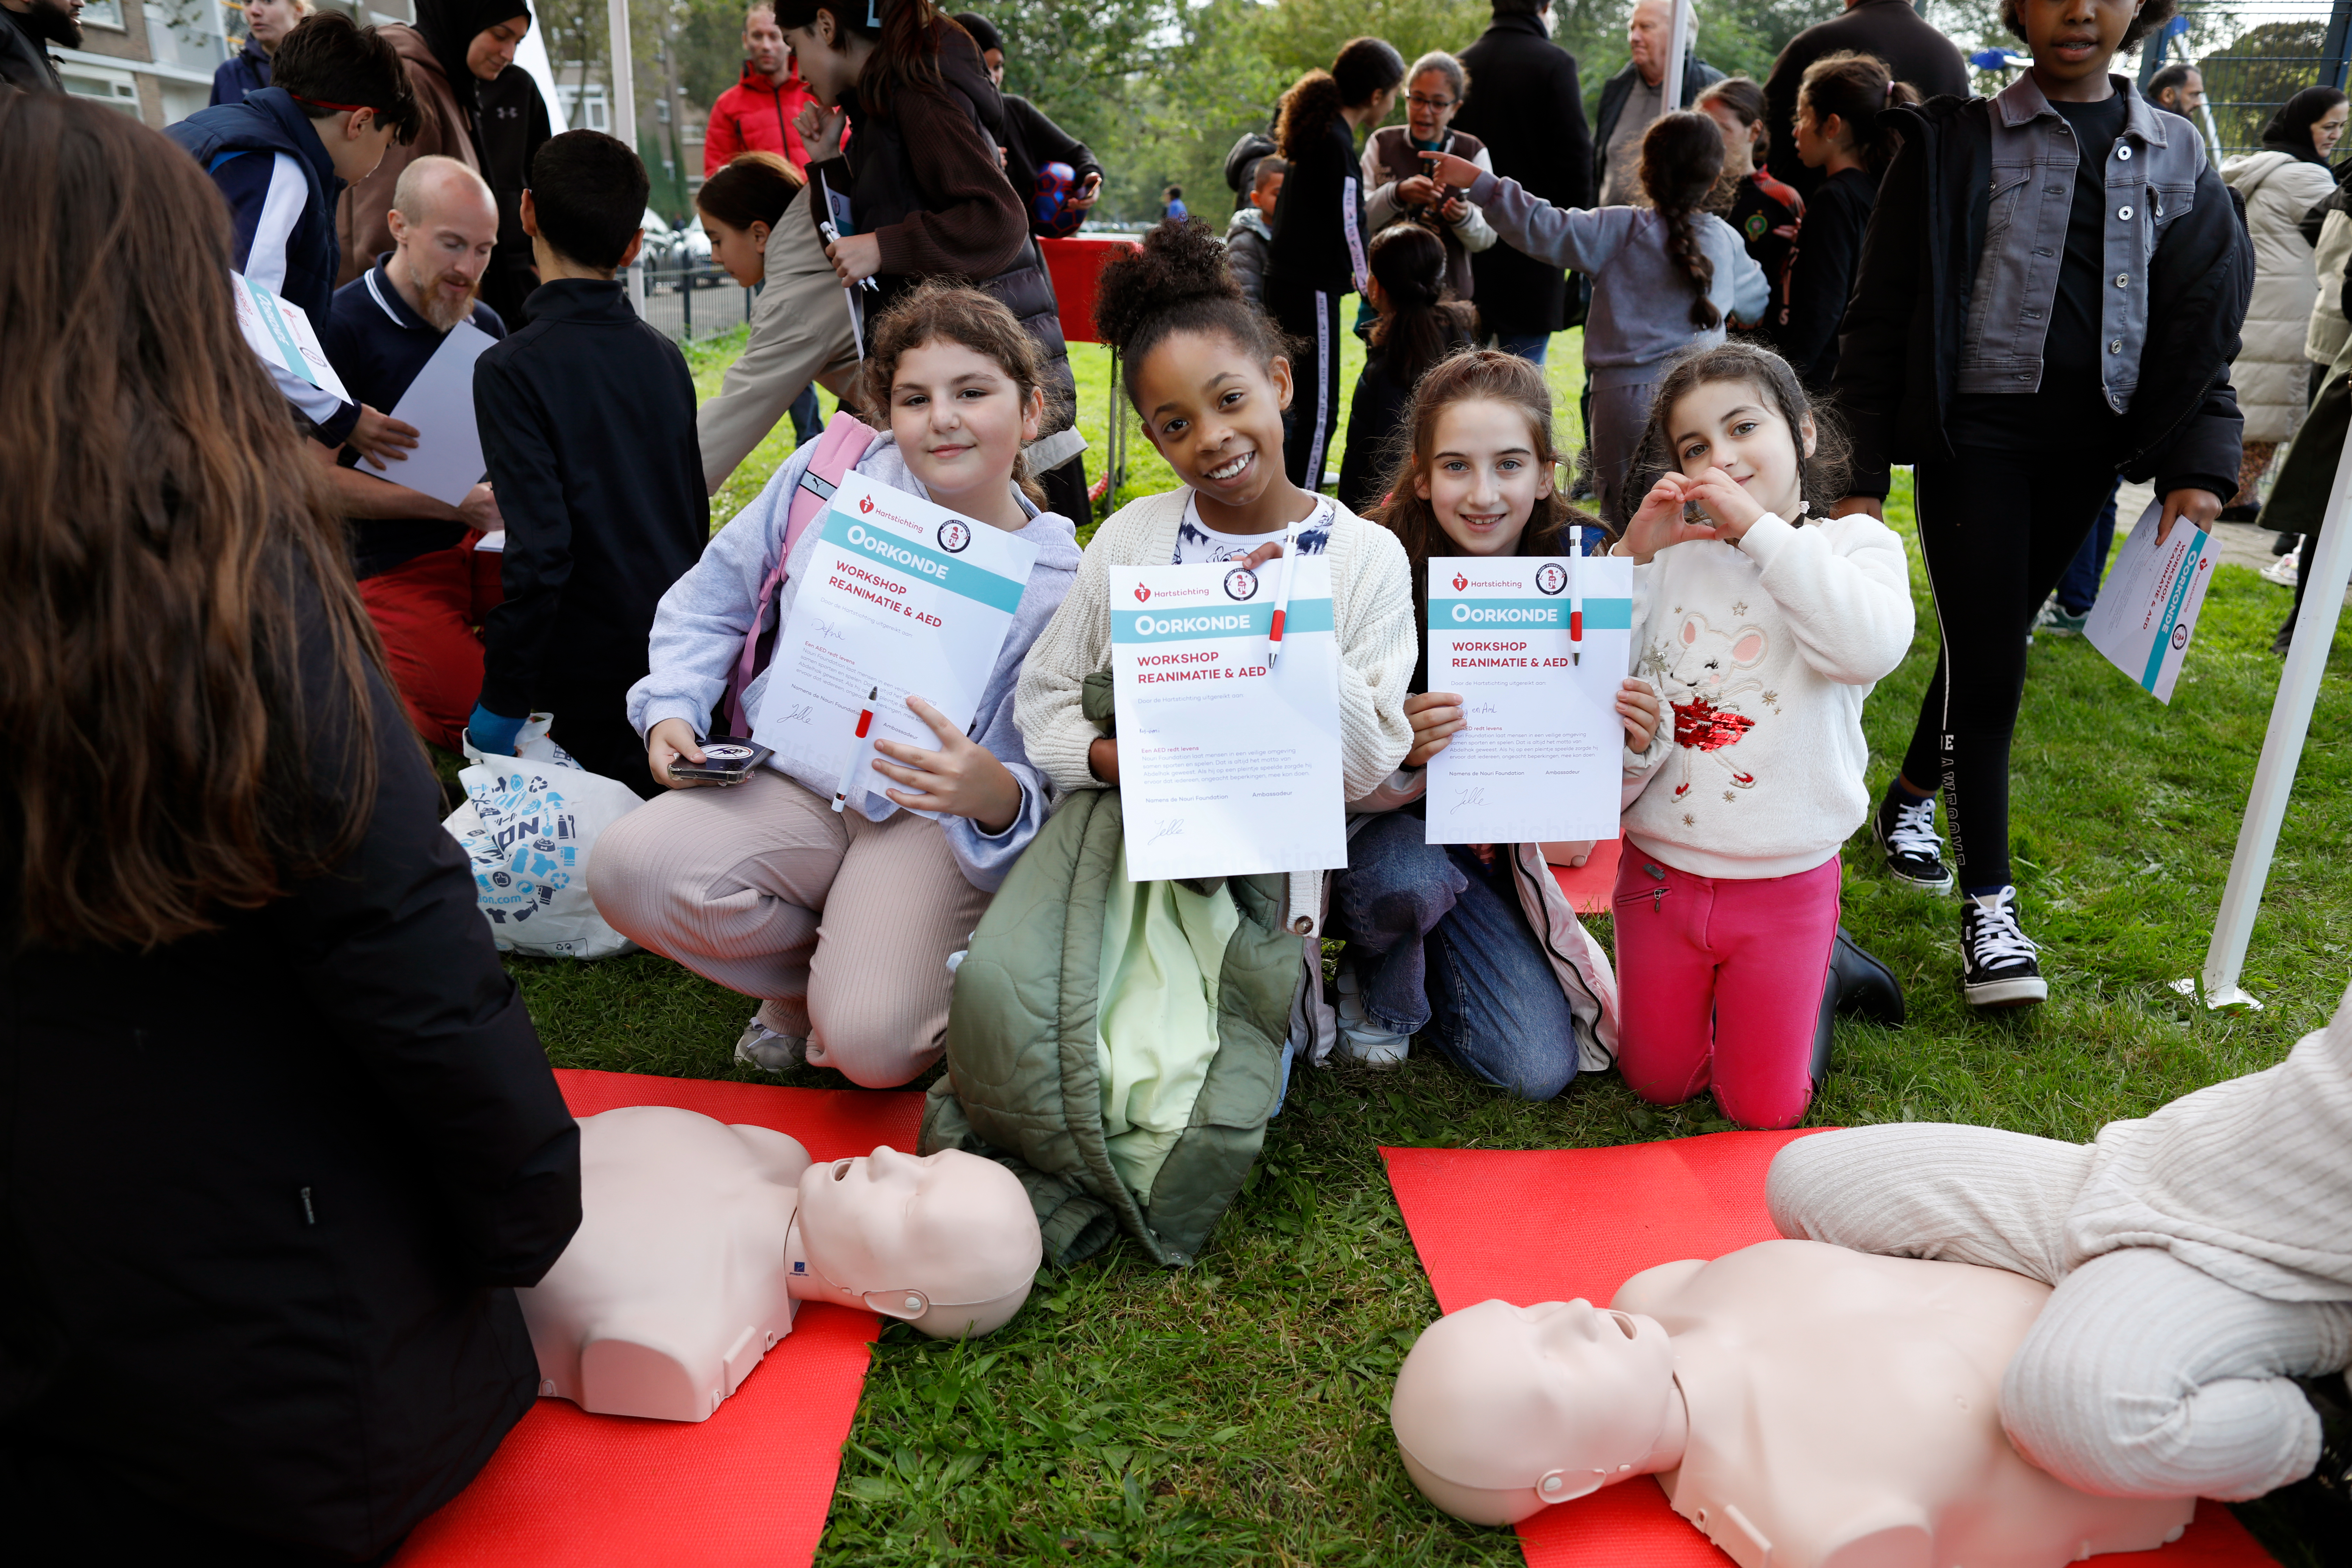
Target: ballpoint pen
[
  {"x": 1575, "y": 593},
  {"x": 856, "y": 749}
]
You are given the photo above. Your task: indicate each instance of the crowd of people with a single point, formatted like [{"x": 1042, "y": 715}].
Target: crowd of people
[{"x": 225, "y": 616}]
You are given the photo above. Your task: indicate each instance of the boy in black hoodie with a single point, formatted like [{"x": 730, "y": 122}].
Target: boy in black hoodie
[{"x": 587, "y": 423}]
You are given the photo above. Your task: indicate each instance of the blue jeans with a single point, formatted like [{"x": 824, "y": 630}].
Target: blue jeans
[
  {"x": 2078, "y": 590},
  {"x": 1435, "y": 942},
  {"x": 1529, "y": 346},
  {"x": 806, "y": 423}
]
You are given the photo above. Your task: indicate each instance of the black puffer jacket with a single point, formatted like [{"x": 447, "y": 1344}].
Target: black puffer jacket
[{"x": 1899, "y": 354}]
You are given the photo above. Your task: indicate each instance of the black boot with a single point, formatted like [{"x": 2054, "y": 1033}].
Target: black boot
[
  {"x": 2310, "y": 1520},
  {"x": 1858, "y": 986}
]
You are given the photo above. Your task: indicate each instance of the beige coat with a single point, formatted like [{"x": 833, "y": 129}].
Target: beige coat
[
  {"x": 2272, "y": 376},
  {"x": 800, "y": 333},
  {"x": 361, "y": 225},
  {"x": 2329, "y": 329}
]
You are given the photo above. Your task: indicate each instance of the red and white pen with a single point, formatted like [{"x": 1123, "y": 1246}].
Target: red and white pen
[
  {"x": 1282, "y": 597},
  {"x": 856, "y": 749},
  {"x": 1575, "y": 593}
]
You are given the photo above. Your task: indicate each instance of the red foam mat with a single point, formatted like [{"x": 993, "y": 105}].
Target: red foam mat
[
  {"x": 1589, "y": 886},
  {"x": 1558, "y": 1224},
  {"x": 750, "y": 1486}
]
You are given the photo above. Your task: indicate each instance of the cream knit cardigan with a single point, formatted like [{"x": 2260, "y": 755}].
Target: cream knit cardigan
[{"x": 1371, "y": 606}]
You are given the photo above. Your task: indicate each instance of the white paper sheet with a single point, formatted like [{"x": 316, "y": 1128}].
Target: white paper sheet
[
  {"x": 2149, "y": 603},
  {"x": 1539, "y": 759},
  {"x": 446, "y": 461},
  {"x": 897, "y": 594},
  {"x": 280, "y": 332},
  {"x": 1226, "y": 767}
]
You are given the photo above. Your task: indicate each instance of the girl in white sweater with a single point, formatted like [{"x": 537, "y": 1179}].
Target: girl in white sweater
[
  {"x": 1211, "y": 376},
  {"x": 1764, "y": 631}
]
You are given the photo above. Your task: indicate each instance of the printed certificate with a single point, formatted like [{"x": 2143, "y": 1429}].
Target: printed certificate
[
  {"x": 1537, "y": 647},
  {"x": 900, "y": 595},
  {"x": 1227, "y": 766},
  {"x": 2148, "y": 606}
]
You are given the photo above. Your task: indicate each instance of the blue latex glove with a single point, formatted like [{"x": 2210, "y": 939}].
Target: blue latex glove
[{"x": 493, "y": 734}]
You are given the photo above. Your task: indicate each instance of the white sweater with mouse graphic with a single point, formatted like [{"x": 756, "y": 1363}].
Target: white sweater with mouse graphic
[{"x": 1765, "y": 652}]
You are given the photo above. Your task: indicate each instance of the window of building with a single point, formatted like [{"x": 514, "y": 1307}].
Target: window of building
[
  {"x": 105, "y": 13},
  {"x": 114, "y": 88},
  {"x": 585, "y": 111}
]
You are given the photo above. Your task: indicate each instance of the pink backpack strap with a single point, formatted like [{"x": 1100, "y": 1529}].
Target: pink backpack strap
[{"x": 842, "y": 443}]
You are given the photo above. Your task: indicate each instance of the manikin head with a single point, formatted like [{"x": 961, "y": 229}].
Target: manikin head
[
  {"x": 947, "y": 1242},
  {"x": 1502, "y": 1410}
]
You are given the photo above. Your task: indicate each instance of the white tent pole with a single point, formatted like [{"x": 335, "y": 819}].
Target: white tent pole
[
  {"x": 1670, "y": 91},
  {"x": 2298, "y": 693},
  {"x": 624, "y": 116}
]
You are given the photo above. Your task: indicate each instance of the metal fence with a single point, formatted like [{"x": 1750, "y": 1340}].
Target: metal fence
[
  {"x": 2255, "y": 55},
  {"x": 684, "y": 300}
]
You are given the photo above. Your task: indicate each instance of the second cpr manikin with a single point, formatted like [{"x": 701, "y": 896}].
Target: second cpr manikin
[{"x": 697, "y": 1240}]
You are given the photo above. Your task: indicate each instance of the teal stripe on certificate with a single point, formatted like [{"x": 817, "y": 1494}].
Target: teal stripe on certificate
[
  {"x": 287, "y": 347},
  {"x": 2171, "y": 616},
  {"x": 896, "y": 555},
  {"x": 1204, "y": 622},
  {"x": 1532, "y": 615}
]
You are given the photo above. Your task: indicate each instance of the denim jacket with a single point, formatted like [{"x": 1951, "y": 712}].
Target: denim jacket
[{"x": 2151, "y": 178}]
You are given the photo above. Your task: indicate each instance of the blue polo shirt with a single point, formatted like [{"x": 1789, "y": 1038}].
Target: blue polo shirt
[{"x": 377, "y": 344}]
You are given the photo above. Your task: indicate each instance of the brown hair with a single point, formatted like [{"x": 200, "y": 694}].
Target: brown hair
[
  {"x": 1365, "y": 65},
  {"x": 754, "y": 188},
  {"x": 171, "y": 571},
  {"x": 327, "y": 59},
  {"x": 1682, "y": 153},
  {"x": 1472, "y": 375},
  {"x": 1746, "y": 101},
  {"x": 1180, "y": 282},
  {"x": 907, "y": 44},
  {"x": 1820, "y": 478},
  {"x": 935, "y": 310},
  {"x": 1859, "y": 90}
]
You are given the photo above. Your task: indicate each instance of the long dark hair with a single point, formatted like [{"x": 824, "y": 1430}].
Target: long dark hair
[
  {"x": 1681, "y": 155},
  {"x": 1859, "y": 90},
  {"x": 905, "y": 44},
  {"x": 2289, "y": 129},
  {"x": 1365, "y": 65},
  {"x": 1820, "y": 478},
  {"x": 1424, "y": 321},
  {"x": 1472, "y": 375},
  {"x": 172, "y": 572}
]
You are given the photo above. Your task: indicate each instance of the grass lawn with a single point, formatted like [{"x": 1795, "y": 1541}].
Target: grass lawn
[{"x": 1238, "y": 1411}]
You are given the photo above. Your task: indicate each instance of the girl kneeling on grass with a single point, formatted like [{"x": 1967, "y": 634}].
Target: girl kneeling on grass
[
  {"x": 1664, "y": 277},
  {"x": 1211, "y": 375},
  {"x": 1475, "y": 938},
  {"x": 842, "y": 923},
  {"x": 1766, "y": 633}
]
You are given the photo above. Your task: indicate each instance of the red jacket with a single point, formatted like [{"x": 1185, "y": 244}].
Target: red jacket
[{"x": 754, "y": 116}]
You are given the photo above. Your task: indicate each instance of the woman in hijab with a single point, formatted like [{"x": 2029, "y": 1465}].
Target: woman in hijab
[
  {"x": 2280, "y": 185},
  {"x": 479, "y": 108}
]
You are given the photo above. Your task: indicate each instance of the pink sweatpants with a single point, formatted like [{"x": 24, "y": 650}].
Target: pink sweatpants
[{"x": 1719, "y": 985}]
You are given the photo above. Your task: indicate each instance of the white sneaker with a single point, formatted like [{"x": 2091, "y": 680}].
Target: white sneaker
[
  {"x": 1361, "y": 1039},
  {"x": 763, "y": 1048},
  {"x": 2287, "y": 571}
]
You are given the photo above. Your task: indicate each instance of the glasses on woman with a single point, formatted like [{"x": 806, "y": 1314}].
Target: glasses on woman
[{"x": 1422, "y": 100}]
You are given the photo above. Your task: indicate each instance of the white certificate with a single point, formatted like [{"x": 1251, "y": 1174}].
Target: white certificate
[
  {"x": 1537, "y": 647},
  {"x": 1228, "y": 766},
  {"x": 278, "y": 331},
  {"x": 448, "y": 460},
  {"x": 2148, "y": 606},
  {"x": 897, "y": 594}
]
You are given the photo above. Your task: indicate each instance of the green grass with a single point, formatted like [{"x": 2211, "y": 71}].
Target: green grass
[{"x": 1236, "y": 1411}]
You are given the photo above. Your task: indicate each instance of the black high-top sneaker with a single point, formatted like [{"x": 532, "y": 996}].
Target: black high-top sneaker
[
  {"x": 1999, "y": 967},
  {"x": 1906, "y": 830}
]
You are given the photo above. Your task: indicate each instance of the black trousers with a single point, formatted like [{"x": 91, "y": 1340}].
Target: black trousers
[
  {"x": 592, "y": 722},
  {"x": 1311, "y": 317},
  {"x": 1997, "y": 530}
]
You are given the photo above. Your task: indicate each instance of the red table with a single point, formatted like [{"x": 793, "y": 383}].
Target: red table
[{"x": 1075, "y": 265}]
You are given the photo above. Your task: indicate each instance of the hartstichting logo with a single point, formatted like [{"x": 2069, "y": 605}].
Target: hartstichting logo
[
  {"x": 953, "y": 536},
  {"x": 1241, "y": 583},
  {"x": 1460, "y": 581},
  {"x": 866, "y": 503},
  {"x": 1551, "y": 579},
  {"x": 1141, "y": 593}
]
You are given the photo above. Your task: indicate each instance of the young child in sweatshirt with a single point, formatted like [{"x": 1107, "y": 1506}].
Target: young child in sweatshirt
[
  {"x": 587, "y": 423},
  {"x": 1765, "y": 632},
  {"x": 841, "y": 923},
  {"x": 1664, "y": 277}
]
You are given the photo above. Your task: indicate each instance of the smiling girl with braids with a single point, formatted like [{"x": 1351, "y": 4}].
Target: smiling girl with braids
[{"x": 1664, "y": 277}]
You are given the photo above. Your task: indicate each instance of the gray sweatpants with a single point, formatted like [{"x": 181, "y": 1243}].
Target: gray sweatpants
[{"x": 2143, "y": 1376}]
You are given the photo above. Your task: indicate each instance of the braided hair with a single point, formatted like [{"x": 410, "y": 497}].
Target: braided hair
[{"x": 1681, "y": 155}]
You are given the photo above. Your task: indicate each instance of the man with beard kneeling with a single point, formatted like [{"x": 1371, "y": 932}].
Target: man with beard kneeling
[{"x": 425, "y": 584}]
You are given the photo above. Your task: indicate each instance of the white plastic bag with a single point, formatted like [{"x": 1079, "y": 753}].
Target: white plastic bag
[
  {"x": 530, "y": 745},
  {"x": 528, "y": 825}
]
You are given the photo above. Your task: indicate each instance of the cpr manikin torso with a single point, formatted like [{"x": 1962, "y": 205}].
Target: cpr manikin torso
[
  {"x": 1801, "y": 1403},
  {"x": 698, "y": 1239}
]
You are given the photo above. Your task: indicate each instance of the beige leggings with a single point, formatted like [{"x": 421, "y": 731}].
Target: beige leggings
[{"x": 841, "y": 926}]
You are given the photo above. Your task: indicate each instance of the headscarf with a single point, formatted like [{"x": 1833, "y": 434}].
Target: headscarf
[
  {"x": 450, "y": 26},
  {"x": 2289, "y": 129}
]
